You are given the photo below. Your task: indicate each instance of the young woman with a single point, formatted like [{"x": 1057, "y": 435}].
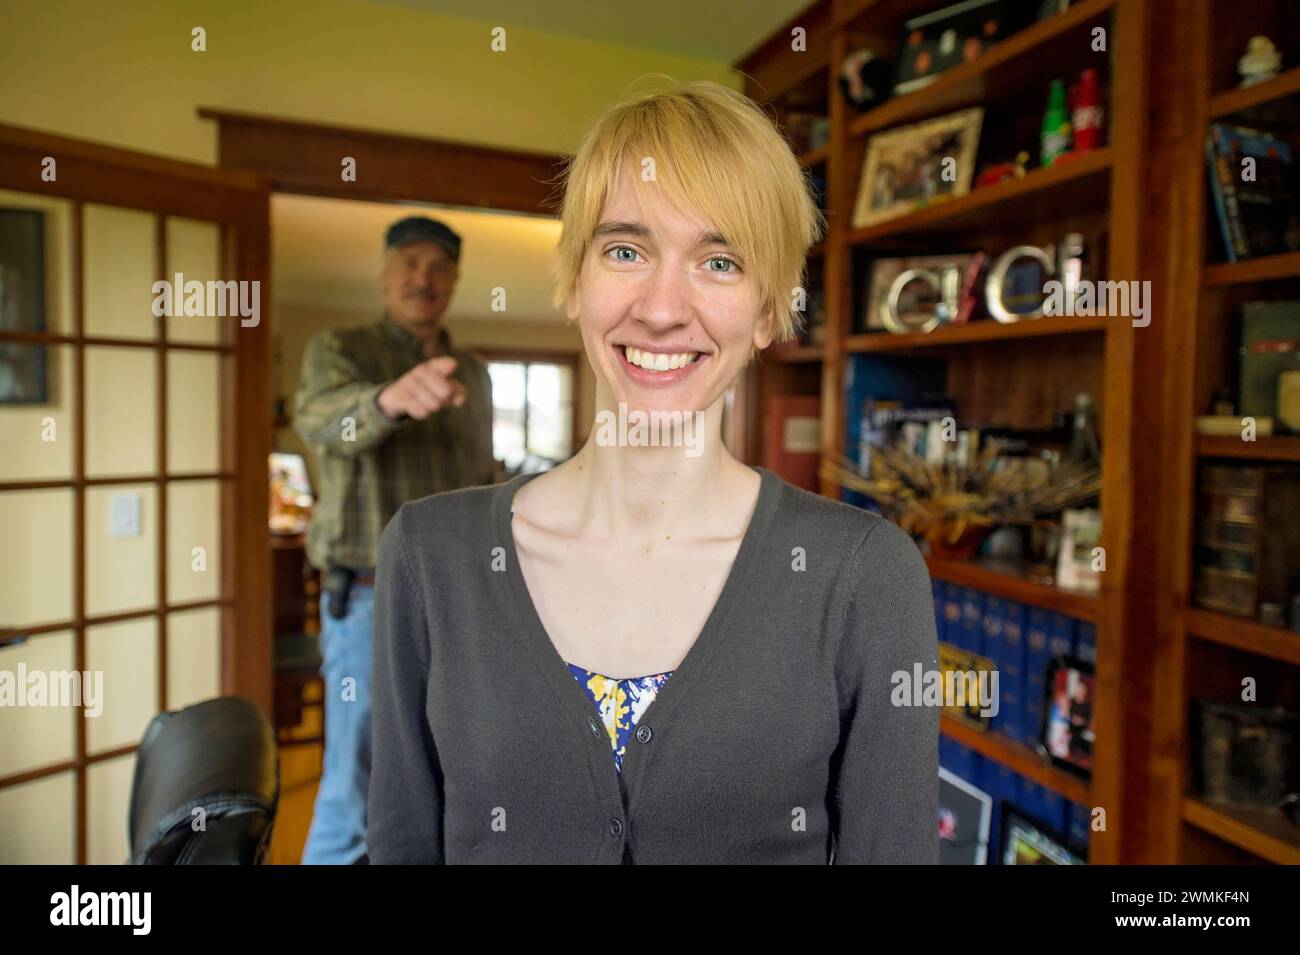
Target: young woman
[{"x": 656, "y": 653}]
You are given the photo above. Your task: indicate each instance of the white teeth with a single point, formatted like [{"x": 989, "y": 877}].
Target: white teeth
[{"x": 652, "y": 361}]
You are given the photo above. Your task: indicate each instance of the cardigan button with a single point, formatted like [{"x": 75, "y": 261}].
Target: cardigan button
[
  {"x": 615, "y": 828},
  {"x": 643, "y": 734}
]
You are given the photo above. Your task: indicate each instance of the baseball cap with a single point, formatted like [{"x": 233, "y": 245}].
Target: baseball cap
[{"x": 423, "y": 229}]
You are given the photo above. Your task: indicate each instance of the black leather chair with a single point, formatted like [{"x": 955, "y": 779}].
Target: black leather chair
[{"x": 219, "y": 756}]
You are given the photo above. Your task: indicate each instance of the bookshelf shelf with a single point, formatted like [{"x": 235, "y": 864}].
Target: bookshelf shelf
[
  {"x": 1267, "y": 835},
  {"x": 980, "y": 331},
  {"x": 1077, "y": 183},
  {"x": 1005, "y": 69},
  {"x": 1003, "y": 581},
  {"x": 1018, "y": 757},
  {"x": 1263, "y": 449},
  {"x": 1234, "y": 101},
  {"x": 1242, "y": 634},
  {"x": 804, "y": 353},
  {"x": 1263, "y": 269}
]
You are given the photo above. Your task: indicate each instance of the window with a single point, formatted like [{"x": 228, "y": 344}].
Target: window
[{"x": 533, "y": 409}]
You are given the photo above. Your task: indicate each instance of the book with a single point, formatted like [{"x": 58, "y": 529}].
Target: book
[
  {"x": 1252, "y": 178},
  {"x": 792, "y": 438}
]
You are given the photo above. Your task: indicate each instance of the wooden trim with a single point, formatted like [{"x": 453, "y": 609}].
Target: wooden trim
[
  {"x": 62, "y": 147},
  {"x": 77, "y": 268},
  {"x": 248, "y": 664},
  {"x": 9, "y": 634},
  {"x": 1131, "y": 478},
  {"x": 100, "y": 341},
  {"x": 1174, "y": 213},
  {"x": 305, "y": 158},
  {"x": 160, "y": 465}
]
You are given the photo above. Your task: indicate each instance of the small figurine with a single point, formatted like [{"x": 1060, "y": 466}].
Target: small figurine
[
  {"x": 1261, "y": 61},
  {"x": 1003, "y": 171}
]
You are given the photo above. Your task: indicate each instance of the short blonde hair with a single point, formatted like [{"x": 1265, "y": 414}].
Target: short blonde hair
[{"x": 716, "y": 153}]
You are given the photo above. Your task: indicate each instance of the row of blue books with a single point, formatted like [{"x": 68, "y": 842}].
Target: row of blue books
[
  {"x": 1069, "y": 821},
  {"x": 1021, "y": 641}
]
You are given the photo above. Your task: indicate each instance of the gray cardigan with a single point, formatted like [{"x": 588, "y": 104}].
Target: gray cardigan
[{"x": 774, "y": 741}]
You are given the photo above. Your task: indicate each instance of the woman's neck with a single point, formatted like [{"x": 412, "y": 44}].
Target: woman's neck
[{"x": 656, "y": 492}]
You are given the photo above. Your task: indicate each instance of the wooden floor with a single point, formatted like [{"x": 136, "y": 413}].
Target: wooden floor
[{"x": 300, "y": 769}]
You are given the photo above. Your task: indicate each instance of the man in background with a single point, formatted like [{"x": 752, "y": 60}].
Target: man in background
[{"x": 393, "y": 413}]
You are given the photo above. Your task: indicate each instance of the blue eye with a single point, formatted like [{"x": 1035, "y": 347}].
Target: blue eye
[
  {"x": 622, "y": 248},
  {"x": 730, "y": 264}
]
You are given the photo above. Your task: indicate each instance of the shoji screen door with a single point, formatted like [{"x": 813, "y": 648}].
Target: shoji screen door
[{"x": 132, "y": 473}]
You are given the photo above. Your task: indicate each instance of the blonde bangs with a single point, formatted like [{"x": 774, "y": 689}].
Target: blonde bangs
[{"x": 715, "y": 155}]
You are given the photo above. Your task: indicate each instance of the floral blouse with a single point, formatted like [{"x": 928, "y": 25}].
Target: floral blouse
[{"x": 620, "y": 703}]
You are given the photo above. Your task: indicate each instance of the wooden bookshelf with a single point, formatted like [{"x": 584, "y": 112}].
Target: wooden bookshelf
[
  {"x": 1270, "y": 836},
  {"x": 1027, "y": 762},
  {"x": 985, "y": 330},
  {"x": 1243, "y": 634},
  {"x": 1262, "y": 449},
  {"x": 1260, "y": 104},
  {"x": 1104, "y": 191},
  {"x": 1035, "y": 54},
  {"x": 1199, "y": 652},
  {"x": 1005, "y": 582},
  {"x": 1079, "y": 182},
  {"x": 1263, "y": 269},
  {"x": 803, "y": 353}
]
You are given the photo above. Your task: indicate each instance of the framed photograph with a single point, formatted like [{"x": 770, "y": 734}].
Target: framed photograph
[
  {"x": 24, "y": 371},
  {"x": 1067, "y": 732},
  {"x": 904, "y": 168},
  {"x": 965, "y": 815},
  {"x": 1026, "y": 841}
]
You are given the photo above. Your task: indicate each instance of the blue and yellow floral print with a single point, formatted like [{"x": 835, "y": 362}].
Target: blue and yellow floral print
[{"x": 620, "y": 703}]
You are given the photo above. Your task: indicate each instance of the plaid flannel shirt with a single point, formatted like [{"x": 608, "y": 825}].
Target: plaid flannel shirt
[{"x": 369, "y": 465}]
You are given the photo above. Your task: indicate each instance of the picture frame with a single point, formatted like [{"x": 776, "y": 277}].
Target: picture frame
[
  {"x": 1025, "y": 840},
  {"x": 965, "y": 818},
  {"x": 1067, "y": 733},
  {"x": 903, "y": 167},
  {"x": 24, "y": 366}
]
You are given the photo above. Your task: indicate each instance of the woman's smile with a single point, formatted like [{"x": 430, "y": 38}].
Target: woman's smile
[{"x": 658, "y": 367}]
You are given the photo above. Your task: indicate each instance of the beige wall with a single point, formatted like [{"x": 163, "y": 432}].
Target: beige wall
[{"x": 124, "y": 73}]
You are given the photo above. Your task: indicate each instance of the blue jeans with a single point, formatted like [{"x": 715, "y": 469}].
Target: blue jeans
[{"x": 338, "y": 825}]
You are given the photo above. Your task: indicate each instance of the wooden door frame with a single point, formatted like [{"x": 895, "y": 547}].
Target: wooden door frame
[
  {"x": 240, "y": 203},
  {"x": 303, "y": 158}
]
